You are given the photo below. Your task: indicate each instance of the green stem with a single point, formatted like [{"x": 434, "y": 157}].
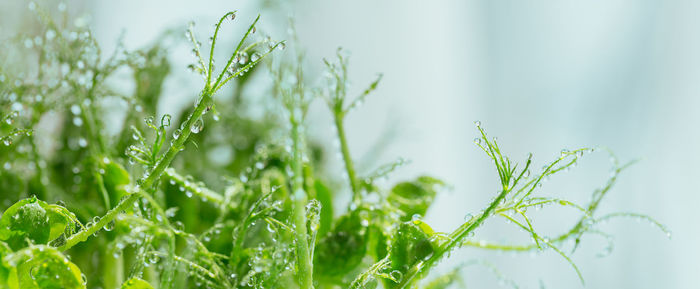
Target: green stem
[
  {"x": 95, "y": 149},
  {"x": 201, "y": 191},
  {"x": 347, "y": 159},
  {"x": 178, "y": 143},
  {"x": 112, "y": 269},
  {"x": 149, "y": 181},
  {"x": 305, "y": 269},
  {"x": 455, "y": 238},
  {"x": 44, "y": 192},
  {"x": 108, "y": 217}
]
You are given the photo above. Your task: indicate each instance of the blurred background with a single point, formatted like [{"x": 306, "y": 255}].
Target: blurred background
[{"x": 539, "y": 75}]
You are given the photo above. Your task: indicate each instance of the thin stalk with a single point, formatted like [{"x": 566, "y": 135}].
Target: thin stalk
[
  {"x": 95, "y": 150},
  {"x": 347, "y": 159},
  {"x": 178, "y": 143},
  {"x": 175, "y": 147},
  {"x": 108, "y": 217},
  {"x": 112, "y": 269},
  {"x": 305, "y": 269},
  {"x": 454, "y": 239},
  {"x": 45, "y": 195},
  {"x": 196, "y": 189}
]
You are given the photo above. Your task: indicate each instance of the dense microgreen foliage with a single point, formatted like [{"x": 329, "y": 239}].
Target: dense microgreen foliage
[{"x": 166, "y": 203}]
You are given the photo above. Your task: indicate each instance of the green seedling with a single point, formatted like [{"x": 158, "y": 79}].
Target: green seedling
[{"x": 241, "y": 202}]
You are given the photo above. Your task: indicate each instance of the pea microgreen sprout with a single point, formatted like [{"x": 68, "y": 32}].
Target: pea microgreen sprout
[
  {"x": 336, "y": 98},
  {"x": 252, "y": 204}
]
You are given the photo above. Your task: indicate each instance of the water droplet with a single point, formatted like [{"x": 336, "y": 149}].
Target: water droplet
[
  {"x": 75, "y": 109},
  {"x": 477, "y": 123},
  {"x": 242, "y": 58},
  {"x": 255, "y": 57},
  {"x": 197, "y": 126},
  {"x": 477, "y": 141},
  {"x": 109, "y": 226},
  {"x": 468, "y": 217},
  {"x": 77, "y": 121},
  {"x": 179, "y": 226},
  {"x": 82, "y": 142},
  {"x": 396, "y": 276},
  {"x": 415, "y": 218}
]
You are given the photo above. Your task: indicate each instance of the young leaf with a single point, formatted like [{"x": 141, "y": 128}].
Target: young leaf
[
  {"x": 342, "y": 249},
  {"x": 414, "y": 198},
  {"x": 323, "y": 194},
  {"x": 43, "y": 267},
  {"x": 35, "y": 221},
  {"x": 136, "y": 283},
  {"x": 413, "y": 243}
]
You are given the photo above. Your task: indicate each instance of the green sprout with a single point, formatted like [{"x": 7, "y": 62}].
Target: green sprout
[{"x": 246, "y": 202}]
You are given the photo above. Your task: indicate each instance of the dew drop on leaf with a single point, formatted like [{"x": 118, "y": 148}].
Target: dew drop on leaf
[
  {"x": 415, "y": 218},
  {"x": 396, "y": 276},
  {"x": 197, "y": 126},
  {"x": 77, "y": 121},
  {"x": 109, "y": 226}
]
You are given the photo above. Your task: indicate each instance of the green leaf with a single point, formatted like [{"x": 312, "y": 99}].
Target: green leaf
[
  {"x": 411, "y": 244},
  {"x": 34, "y": 220},
  {"x": 378, "y": 242},
  {"x": 136, "y": 283},
  {"x": 26, "y": 219},
  {"x": 43, "y": 267},
  {"x": 342, "y": 249},
  {"x": 414, "y": 197},
  {"x": 116, "y": 178},
  {"x": 323, "y": 195}
]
